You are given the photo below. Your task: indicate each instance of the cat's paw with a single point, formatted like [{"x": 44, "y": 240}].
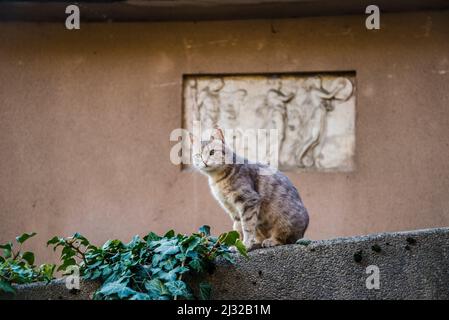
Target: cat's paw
[
  {"x": 267, "y": 243},
  {"x": 251, "y": 245},
  {"x": 254, "y": 246}
]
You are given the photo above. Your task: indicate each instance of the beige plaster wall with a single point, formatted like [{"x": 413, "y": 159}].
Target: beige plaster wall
[{"x": 85, "y": 118}]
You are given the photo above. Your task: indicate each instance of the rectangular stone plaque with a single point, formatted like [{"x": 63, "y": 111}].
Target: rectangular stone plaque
[{"x": 313, "y": 114}]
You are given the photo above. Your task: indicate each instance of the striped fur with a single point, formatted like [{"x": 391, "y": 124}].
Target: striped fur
[{"x": 266, "y": 209}]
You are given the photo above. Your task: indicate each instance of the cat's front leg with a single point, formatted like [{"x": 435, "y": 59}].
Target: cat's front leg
[
  {"x": 237, "y": 226},
  {"x": 249, "y": 215}
]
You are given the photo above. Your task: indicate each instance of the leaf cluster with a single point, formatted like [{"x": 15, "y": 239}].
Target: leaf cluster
[
  {"x": 17, "y": 267},
  {"x": 148, "y": 268}
]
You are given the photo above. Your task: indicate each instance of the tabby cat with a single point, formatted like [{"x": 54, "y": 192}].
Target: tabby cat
[{"x": 266, "y": 208}]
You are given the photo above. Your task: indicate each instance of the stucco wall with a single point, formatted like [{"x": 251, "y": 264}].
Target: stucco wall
[{"x": 85, "y": 118}]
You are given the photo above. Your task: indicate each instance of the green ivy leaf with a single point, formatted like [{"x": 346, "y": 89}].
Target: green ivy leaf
[
  {"x": 6, "y": 287},
  {"x": 81, "y": 238},
  {"x": 112, "y": 244},
  {"x": 66, "y": 264},
  {"x": 193, "y": 244},
  {"x": 126, "y": 292},
  {"x": 106, "y": 271},
  {"x": 95, "y": 264},
  {"x": 168, "y": 248},
  {"x": 24, "y": 237},
  {"x": 230, "y": 238},
  {"x": 168, "y": 264},
  {"x": 205, "y": 230},
  {"x": 170, "y": 234},
  {"x": 156, "y": 287},
  {"x": 67, "y": 253},
  {"x": 205, "y": 291},
  {"x": 7, "y": 250},
  {"x": 134, "y": 242},
  {"x": 140, "y": 296},
  {"x": 53, "y": 240},
  {"x": 196, "y": 265},
  {"x": 241, "y": 248},
  {"x": 28, "y": 257},
  {"x": 172, "y": 274},
  {"x": 118, "y": 288},
  {"x": 177, "y": 288},
  {"x": 151, "y": 237},
  {"x": 227, "y": 257},
  {"x": 47, "y": 271},
  {"x": 6, "y": 246}
]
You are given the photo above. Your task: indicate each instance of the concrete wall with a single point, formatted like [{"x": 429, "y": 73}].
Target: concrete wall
[
  {"x": 411, "y": 265},
  {"x": 85, "y": 118}
]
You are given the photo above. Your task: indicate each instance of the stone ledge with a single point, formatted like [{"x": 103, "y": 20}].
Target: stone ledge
[{"x": 413, "y": 265}]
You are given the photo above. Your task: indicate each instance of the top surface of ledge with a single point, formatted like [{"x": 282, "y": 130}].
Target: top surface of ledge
[{"x": 412, "y": 265}]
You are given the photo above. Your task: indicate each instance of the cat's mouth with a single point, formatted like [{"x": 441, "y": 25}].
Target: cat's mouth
[{"x": 208, "y": 168}]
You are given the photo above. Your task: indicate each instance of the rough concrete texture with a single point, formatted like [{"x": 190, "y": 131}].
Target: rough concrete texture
[
  {"x": 55, "y": 290},
  {"x": 413, "y": 265}
]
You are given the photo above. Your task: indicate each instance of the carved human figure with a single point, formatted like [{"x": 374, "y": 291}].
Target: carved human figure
[
  {"x": 192, "y": 95},
  {"x": 231, "y": 103},
  {"x": 209, "y": 103},
  {"x": 318, "y": 101},
  {"x": 274, "y": 107},
  {"x": 293, "y": 136},
  {"x": 275, "y": 104}
]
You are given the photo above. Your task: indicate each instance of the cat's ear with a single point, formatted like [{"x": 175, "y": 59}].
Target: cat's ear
[{"x": 217, "y": 134}]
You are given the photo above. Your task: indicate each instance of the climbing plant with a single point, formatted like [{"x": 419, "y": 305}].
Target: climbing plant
[
  {"x": 18, "y": 267},
  {"x": 150, "y": 268}
]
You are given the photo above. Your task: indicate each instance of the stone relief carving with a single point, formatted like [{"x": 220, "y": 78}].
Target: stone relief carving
[{"x": 314, "y": 114}]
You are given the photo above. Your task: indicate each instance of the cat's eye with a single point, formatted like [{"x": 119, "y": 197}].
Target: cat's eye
[{"x": 212, "y": 152}]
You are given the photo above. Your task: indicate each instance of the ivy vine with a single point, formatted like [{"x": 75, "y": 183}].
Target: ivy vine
[
  {"x": 150, "y": 268},
  {"x": 18, "y": 267}
]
